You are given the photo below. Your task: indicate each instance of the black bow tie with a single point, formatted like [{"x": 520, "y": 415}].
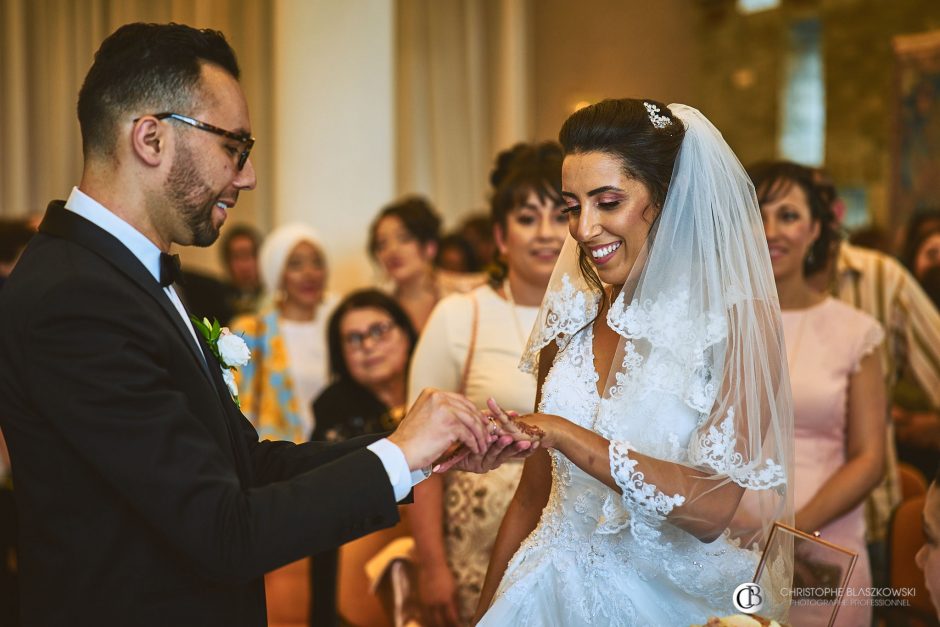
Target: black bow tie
[{"x": 170, "y": 269}]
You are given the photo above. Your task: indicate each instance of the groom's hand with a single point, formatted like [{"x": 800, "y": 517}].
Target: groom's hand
[
  {"x": 505, "y": 447},
  {"x": 508, "y": 439},
  {"x": 436, "y": 421}
]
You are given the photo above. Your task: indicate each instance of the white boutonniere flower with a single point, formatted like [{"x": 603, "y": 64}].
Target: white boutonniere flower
[
  {"x": 233, "y": 351},
  {"x": 228, "y": 348}
]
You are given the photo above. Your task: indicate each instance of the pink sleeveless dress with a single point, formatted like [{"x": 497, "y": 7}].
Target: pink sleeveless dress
[{"x": 825, "y": 346}]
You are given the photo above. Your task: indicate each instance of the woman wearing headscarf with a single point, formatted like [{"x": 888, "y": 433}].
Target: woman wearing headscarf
[{"x": 287, "y": 338}]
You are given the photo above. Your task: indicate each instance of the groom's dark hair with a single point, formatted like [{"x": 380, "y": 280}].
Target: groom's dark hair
[{"x": 143, "y": 69}]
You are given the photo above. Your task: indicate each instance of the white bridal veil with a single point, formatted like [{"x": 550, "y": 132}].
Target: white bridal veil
[{"x": 700, "y": 329}]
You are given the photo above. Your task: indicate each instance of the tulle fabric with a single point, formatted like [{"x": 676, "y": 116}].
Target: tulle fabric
[{"x": 699, "y": 325}]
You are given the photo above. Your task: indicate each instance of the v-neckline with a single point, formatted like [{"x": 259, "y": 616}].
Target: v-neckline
[{"x": 599, "y": 385}]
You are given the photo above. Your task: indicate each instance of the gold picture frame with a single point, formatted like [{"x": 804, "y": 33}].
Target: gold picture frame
[{"x": 821, "y": 573}]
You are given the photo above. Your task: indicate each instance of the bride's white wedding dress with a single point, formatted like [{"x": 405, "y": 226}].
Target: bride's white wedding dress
[
  {"x": 589, "y": 561},
  {"x": 696, "y": 407}
]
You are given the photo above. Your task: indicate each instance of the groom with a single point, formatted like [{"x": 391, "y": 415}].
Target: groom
[{"x": 144, "y": 496}]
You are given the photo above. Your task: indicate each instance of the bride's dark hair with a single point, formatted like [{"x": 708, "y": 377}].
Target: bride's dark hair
[{"x": 643, "y": 135}]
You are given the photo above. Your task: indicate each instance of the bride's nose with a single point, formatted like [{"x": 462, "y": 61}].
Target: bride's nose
[{"x": 588, "y": 226}]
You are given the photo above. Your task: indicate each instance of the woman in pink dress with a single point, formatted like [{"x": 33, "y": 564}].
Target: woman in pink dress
[{"x": 838, "y": 390}]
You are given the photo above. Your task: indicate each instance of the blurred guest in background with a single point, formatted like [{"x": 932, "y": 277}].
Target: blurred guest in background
[
  {"x": 478, "y": 230},
  {"x": 928, "y": 558},
  {"x": 404, "y": 240},
  {"x": 14, "y": 235},
  {"x": 287, "y": 338},
  {"x": 239, "y": 250},
  {"x": 208, "y": 297},
  {"x": 920, "y": 226},
  {"x": 472, "y": 344},
  {"x": 835, "y": 375},
  {"x": 879, "y": 285},
  {"x": 930, "y": 281},
  {"x": 917, "y": 420},
  {"x": 370, "y": 339},
  {"x": 205, "y": 296},
  {"x": 455, "y": 254},
  {"x": 927, "y": 253}
]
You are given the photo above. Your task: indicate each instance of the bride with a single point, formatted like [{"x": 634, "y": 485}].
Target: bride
[{"x": 662, "y": 388}]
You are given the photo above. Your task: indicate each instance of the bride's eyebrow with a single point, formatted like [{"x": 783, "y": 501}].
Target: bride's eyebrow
[
  {"x": 605, "y": 188},
  {"x": 595, "y": 192}
]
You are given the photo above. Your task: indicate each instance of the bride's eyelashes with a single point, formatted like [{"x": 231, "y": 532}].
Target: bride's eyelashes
[{"x": 609, "y": 205}]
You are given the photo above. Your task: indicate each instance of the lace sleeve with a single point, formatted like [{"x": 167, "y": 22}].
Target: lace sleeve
[
  {"x": 642, "y": 507},
  {"x": 715, "y": 447}
]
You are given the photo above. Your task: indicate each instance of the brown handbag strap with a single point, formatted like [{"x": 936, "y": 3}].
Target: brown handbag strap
[{"x": 473, "y": 342}]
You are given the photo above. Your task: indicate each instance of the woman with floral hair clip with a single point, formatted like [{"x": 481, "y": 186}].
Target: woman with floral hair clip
[{"x": 663, "y": 392}]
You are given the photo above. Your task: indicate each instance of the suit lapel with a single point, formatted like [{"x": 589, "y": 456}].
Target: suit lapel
[
  {"x": 60, "y": 222},
  {"x": 225, "y": 397}
]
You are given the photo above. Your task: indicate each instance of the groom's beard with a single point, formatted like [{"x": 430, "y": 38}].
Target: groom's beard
[{"x": 192, "y": 197}]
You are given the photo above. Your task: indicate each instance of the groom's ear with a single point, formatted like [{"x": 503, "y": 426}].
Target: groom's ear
[{"x": 149, "y": 140}]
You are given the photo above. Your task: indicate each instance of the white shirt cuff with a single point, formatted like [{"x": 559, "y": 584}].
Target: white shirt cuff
[{"x": 396, "y": 467}]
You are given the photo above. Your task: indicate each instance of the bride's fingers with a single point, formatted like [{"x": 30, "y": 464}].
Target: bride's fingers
[{"x": 502, "y": 416}]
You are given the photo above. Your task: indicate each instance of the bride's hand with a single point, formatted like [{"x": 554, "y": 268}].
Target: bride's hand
[
  {"x": 506, "y": 438},
  {"x": 546, "y": 429}
]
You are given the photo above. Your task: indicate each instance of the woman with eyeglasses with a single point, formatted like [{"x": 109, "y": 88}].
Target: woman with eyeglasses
[
  {"x": 472, "y": 344},
  {"x": 370, "y": 340}
]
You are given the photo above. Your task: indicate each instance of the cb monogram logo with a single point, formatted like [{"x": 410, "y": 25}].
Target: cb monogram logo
[{"x": 748, "y": 598}]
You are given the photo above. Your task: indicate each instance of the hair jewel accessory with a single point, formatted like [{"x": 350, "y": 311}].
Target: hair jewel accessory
[{"x": 659, "y": 121}]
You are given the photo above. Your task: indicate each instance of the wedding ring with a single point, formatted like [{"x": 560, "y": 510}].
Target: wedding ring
[{"x": 494, "y": 428}]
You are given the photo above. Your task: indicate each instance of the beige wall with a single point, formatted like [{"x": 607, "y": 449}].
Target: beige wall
[
  {"x": 333, "y": 107},
  {"x": 588, "y": 50}
]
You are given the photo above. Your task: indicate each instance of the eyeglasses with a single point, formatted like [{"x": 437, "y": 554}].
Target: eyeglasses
[
  {"x": 243, "y": 138},
  {"x": 377, "y": 332}
]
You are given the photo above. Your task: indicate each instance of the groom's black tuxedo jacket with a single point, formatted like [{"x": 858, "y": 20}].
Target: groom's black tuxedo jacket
[{"x": 144, "y": 496}]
